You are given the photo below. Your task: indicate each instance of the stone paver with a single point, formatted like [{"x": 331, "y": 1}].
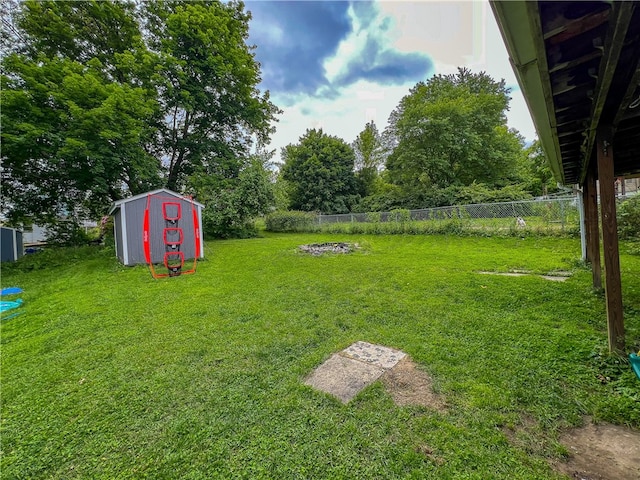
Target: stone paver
[
  {"x": 346, "y": 373},
  {"x": 343, "y": 377},
  {"x": 553, "y": 278},
  {"x": 384, "y": 357}
]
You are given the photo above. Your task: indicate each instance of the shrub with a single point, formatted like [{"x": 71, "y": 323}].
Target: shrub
[
  {"x": 633, "y": 248},
  {"x": 67, "y": 233},
  {"x": 400, "y": 215},
  {"x": 629, "y": 218},
  {"x": 233, "y": 205},
  {"x": 289, "y": 221},
  {"x": 374, "y": 217},
  {"x": 55, "y": 257}
]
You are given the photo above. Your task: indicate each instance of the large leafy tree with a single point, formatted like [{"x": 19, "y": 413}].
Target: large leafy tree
[
  {"x": 70, "y": 140},
  {"x": 451, "y": 130},
  {"x": 369, "y": 152},
  {"x": 537, "y": 174},
  {"x": 320, "y": 173},
  {"x": 106, "y": 98},
  {"x": 72, "y": 133},
  {"x": 212, "y": 111}
]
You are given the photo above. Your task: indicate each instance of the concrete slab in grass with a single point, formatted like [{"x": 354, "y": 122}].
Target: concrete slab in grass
[
  {"x": 378, "y": 355},
  {"x": 343, "y": 377},
  {"x": 551, "y": 277},
  {"x": 346, "y": 373},
  {"x": 555, "y": 278}
]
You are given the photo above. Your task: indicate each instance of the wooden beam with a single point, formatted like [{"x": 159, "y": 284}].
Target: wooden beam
[
  {"x": 576, "y": 27},
  {"x": 629, "y": 95},
  {"x": 590, "y": 198},
  {"x": 575, "y": 62},
  {"x": 621, "y": 13},
  {"x": 613, "y": 285}
]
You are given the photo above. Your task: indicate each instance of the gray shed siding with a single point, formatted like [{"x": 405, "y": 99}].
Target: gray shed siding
[
  {"x": 19, "y": 244},
  {"x": 128, "y": 224},
  {"x": 117, "y": 233},
  {"x": 133, "y": 215},
  {"x": 11, "y": 248}
]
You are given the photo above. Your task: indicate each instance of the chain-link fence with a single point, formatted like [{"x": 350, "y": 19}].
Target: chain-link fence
[{"x": 561, "y": 212}]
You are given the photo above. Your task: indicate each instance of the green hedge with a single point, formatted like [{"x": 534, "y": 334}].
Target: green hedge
[{"x": 290, "y": 221}]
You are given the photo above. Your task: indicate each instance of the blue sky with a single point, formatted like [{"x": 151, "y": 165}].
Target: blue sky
[{"x": 338, "y": 64}]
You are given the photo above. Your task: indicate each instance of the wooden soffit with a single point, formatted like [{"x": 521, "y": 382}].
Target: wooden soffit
[{"x": 578, "y": 65}]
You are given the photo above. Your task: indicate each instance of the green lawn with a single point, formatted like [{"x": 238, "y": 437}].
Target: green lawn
[{"x": 108, "y": 373}]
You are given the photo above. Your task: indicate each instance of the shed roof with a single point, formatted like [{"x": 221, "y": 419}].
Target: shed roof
[
  {"x": 117, "y": 203},
  {"x": 578, "y": 65}
]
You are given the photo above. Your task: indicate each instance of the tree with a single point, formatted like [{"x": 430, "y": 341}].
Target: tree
[
  {"x": 320, "y": 173},
  {"x": 211, "y": 109},
  {"x": 72, "y": 136},
  {"x": 369, "y": 154},
  {"x": 232, "y": 208},
  {"x": 452, "y": 130},
  {"x": 538, "y": 176},
  {"x": 105, "y": 98},
  {"x": 71, "y": 144},
  {"x": 281, "y": 189}
]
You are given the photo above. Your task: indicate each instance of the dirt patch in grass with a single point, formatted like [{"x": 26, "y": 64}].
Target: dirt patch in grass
[
  {"x": 430, "y": 454},
  {"x": 595, "y": 452},
  {"x": 408, "y": 385},
  {"x": 316, "y": 249},
  {"x": 601, "y": 452}
]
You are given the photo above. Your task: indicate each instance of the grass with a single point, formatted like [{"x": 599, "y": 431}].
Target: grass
[
  {"x": 487, "y": 227},
  {"x": 111, "y": 374},
  {"x": 504, "y": 227}
]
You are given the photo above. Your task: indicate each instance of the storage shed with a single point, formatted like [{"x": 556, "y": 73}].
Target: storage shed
[
  {"x": 128, "y": 226},
  {"x": 10, "y": 244}
]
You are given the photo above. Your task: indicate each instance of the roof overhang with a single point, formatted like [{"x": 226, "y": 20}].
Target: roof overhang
[
  {"x": 578, "y": 65},
  {"x": 118, "y": 203}
]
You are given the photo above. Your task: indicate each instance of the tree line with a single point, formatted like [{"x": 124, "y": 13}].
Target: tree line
[
  {"x": 106, "y": 99},
  {"x": 447, "y": 142}
]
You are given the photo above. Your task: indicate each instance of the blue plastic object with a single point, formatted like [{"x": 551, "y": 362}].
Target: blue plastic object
[
  {"x": 635, "y": 363},
  {"x": 10, "y": 291},
  {"x": 14, "y": 314},
  {"x": 5, "y": 306}
]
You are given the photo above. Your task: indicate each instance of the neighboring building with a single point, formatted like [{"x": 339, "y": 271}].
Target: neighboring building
[
  {"x": 34, "y": 235},
  {"x": 11, "y": 248},
  {"x": 128, "y": 226},
  {"x": 628, "y": 186}
]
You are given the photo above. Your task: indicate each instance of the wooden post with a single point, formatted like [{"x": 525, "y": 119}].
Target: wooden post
[
  {"x": 613, "y": 286},
  {"x": 590, "y": 197}
]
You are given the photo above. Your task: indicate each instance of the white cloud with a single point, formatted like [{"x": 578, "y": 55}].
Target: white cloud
[
  {"x": 347, "y": 48},
  {"x": 458, "y": 34},
  {"x": 453, "y": 34},
  {"x": 447, "y": 31},
  {"x": 344, "y": 117}
]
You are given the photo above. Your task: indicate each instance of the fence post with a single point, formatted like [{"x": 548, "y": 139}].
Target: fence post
[{"x": 583, "y": 237}]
